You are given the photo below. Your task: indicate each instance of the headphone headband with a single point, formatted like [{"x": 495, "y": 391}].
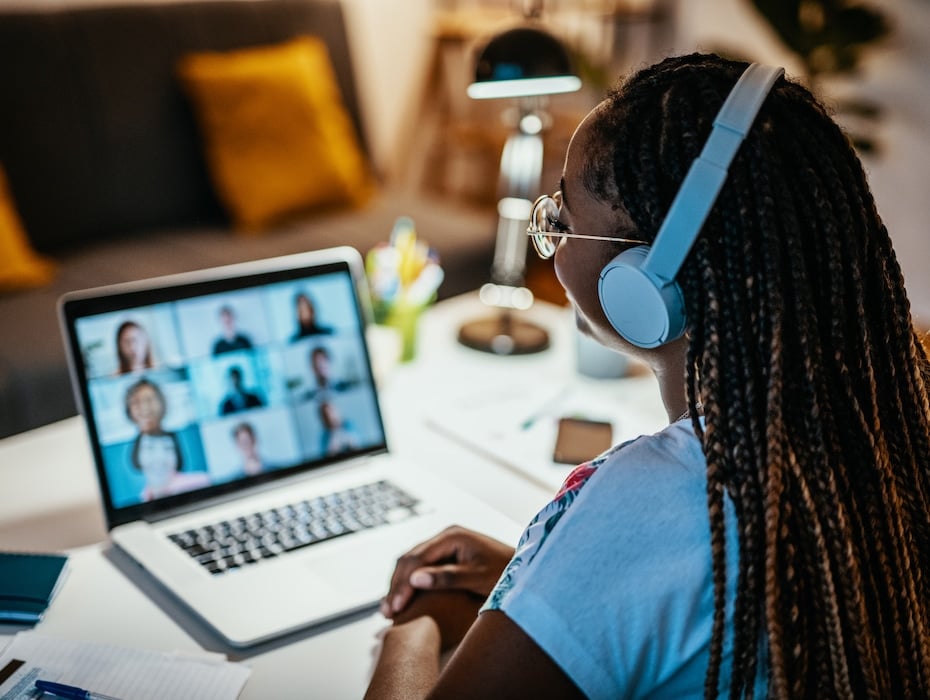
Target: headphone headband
[
  {"x": 708, "y": 172},
  {"x": 638, "y": 291}
]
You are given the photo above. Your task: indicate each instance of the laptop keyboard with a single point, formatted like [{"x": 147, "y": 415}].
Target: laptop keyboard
[{"x": 231, "y": 544}]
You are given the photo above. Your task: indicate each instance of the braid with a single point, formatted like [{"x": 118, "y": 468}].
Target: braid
[{"x": 813, "y": 382}]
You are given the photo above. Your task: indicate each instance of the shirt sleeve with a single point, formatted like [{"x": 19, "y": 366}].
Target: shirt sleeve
[{"x": 613, "y": 580}]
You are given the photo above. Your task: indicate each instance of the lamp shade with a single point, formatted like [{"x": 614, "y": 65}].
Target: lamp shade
[{"x": 523, "y": 62}]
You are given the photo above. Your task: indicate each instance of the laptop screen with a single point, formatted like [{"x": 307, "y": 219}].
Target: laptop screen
[{"x": 194, "y": 387}]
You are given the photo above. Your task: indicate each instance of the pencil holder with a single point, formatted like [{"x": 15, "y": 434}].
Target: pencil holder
[
  {"x": 403, "y": 276},
  {"x": 405, "y": 318}
]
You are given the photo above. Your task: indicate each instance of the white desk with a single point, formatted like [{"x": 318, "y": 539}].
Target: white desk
[{"x": 49, "y": 501}]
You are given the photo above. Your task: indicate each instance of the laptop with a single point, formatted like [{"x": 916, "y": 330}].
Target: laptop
[{"x": 239, "y": 442}]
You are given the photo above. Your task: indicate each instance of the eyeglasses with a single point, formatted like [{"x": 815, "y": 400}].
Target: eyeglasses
[{"x": 546, "y": 231}]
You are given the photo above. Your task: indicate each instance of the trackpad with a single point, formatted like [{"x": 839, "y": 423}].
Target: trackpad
[{"x": 361, "y": 570}]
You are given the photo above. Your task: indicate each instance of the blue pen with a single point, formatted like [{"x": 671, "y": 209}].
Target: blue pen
[{"x": 71, "y": 692}]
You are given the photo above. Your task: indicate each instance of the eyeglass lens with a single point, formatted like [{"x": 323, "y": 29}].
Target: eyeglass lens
[{"x": 545, "y": 213}]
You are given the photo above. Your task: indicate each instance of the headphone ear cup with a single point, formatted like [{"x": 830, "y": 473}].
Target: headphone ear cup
[{"x": 646, "y": 311}]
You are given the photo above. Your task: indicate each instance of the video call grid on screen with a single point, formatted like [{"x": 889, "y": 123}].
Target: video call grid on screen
[{"x": 225, "y": 385}]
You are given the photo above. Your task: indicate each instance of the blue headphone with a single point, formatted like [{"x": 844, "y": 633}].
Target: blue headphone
[{"x": 637, "y": 288}]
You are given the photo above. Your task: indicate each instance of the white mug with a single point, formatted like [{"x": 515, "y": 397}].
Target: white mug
[{"x": 595, "y": 360}]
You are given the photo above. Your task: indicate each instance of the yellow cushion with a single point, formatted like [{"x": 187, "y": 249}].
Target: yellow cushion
[
  {"x": 20, "y": 266},
  {"x": 278, "y": 138}
]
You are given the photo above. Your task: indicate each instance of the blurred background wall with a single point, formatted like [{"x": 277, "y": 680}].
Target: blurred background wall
[{"x": 413, "y": 59}]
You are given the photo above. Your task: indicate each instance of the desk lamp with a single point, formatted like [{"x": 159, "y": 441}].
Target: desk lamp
[{"x": 525, "y": 63}]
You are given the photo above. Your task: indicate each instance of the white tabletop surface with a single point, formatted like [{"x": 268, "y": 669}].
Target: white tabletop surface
[{"x": 49, "y": 501}]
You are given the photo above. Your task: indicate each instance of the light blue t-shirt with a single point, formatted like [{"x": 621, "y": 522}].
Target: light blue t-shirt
[{"x": 613, "y": 579}]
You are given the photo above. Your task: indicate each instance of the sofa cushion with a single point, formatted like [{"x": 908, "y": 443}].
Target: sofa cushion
[
  {"x": 277, "y": 136},
  {"x": 20, "y": 266}
]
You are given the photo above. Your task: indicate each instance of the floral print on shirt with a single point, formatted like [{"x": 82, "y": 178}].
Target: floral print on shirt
[{"x": 542, "y": 525}]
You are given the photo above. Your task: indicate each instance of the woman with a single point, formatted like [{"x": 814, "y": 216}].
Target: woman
[
  {"x": 246, "y": 440},
  {"x": 307, "y": 323},
  {"x": 775, "y": 538},
  {"x": 338, "y": 435},
  {"x": 133, "y": 348},
  {"x": 156, "y": 452}
]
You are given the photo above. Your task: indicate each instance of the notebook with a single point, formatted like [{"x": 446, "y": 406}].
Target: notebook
[
  {"x": 28, "y": 582},
  {"x": 239, "y": 443}
]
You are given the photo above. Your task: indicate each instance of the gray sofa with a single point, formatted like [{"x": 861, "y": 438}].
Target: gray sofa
[{"x": 106, "y": 168}]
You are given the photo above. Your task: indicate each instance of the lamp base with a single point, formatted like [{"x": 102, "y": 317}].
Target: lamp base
[{"x": 504, "y": 335}]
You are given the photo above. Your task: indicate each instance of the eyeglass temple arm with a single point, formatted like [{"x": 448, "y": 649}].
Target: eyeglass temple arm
[
  {"x": 708, "y": 172},
  {"x": 530, "y": 231}
]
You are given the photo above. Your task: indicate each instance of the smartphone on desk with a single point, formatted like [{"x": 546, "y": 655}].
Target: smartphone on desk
[{"x": 580, "y": 439}]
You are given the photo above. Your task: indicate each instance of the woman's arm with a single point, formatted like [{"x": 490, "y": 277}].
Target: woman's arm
[
  {"x": 495, "y": 659},
  {"x": 498, "y": 659},
  {"x": 409, "y": 663},
  {"x": 455, "y": 559}
]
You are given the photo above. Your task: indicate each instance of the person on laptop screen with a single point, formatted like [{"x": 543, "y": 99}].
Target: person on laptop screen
[
  {"x": 774, "y": 539},
  {"x": 232, "y": 338},
  {"x": 238, "y": 398},
  {"x": 307, "y": 323},
  {"x": 156, "y": 453},
  {"x": 325, "y": 383},
  {"x": 338, "y": 433},
  {"x": 246, "y": 441},
  {"x": 133, "y": 348}
]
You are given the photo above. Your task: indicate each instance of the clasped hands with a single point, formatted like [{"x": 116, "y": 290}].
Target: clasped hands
[{"x": 446, "y": 578}]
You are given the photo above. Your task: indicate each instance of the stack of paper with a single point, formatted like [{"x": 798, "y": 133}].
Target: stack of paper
[
  {"x": 120, "y": 672},
  {"x": 516, "y": 425}
]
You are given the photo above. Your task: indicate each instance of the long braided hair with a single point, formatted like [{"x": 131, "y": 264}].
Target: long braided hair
[{"x": 813, "y": 383}]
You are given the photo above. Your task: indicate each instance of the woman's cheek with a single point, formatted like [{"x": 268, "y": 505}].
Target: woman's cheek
[
  {"x": 571, "y": 272},
  {"x": 579, "y": 282}
]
